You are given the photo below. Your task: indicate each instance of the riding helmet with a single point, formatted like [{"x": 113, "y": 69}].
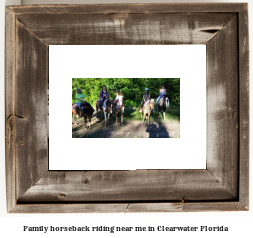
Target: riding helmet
[{"x": 146, "y": 89}]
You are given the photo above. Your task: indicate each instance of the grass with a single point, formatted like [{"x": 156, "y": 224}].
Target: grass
[{"x": 172, "y": 114}]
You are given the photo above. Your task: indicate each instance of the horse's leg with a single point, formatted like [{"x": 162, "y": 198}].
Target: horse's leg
[
  {"x": 90, "y": 121},
  {"x": 109, "y": 117},
  {"x": 85, "y": 117},
  {"x": 116, "y": 115},
  {"x": 105, "y": 118},
  {"x": 101, "y": 113},
  {"x": 75, "y": 118},
  {"x": 148, "y": 117},
  {"x": 122, "y": 114},
  {"x": 164, "y": 115}
]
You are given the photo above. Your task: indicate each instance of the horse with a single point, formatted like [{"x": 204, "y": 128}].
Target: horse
[
  {"x": 106, "y": 108},
  {"x": 118, "y": 105},
  {"x": 162, "y": 105},
  {"x": 85, "y": 110},
  {"x": 148, "y": 107}
]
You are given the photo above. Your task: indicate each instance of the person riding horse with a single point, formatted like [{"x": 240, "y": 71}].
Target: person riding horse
[
  {"x": 118, "y": 104},
  {"x": 162, "y": 102},
  {"x": 146, "y": 97},
  {"x": 103, "y": 96},
  {"x": 117, "y": 94},
  {"x": 82, "y": 108},
  {"x": 162, "y": 92},
  {"x": 79, "y": 98},
  {"x": 115, "y": 99}
]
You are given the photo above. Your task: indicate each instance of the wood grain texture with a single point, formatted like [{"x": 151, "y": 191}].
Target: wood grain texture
[
  {"x": 9, "y": 109},
  {"x": 115, "y": 29},
  {"x": 139, "y": 185},
  {"x": 31, "y": 109},
  {"x": 223, "y": 186},
  {"x": 244, "y": 107},
  {"x": 129, "y": 207},
  {"x": 222, "y": 107},
  {"x": 186, "y": 207},
  {"x": 129, "y": 8}
]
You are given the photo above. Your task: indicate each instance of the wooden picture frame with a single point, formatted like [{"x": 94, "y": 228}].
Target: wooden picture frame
[{"x": 222, "y": 186}]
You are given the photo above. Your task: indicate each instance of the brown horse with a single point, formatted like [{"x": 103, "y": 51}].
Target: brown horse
[
  {"x": 118, "y": 105},
  {"x": 85, "y": 110},
  {"x": 148, "y": 107},
  {"x": 106, "y": 109}
]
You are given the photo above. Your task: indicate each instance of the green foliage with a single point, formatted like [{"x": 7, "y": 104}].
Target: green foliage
[{"x": 132, "y": 88}]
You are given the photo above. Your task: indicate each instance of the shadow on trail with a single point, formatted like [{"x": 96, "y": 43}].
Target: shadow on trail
[
  {"x": 152, "y": 130},
  {"x": 98, "y": 129},
  {"x": 156, "y": 129},
  {"x": 157, "y": 132},
  {"x": 82, "y": 126}
]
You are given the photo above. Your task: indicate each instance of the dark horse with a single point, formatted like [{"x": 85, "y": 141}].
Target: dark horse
[
  {"x": 106, "y": 108},
  {"x": 162, "y": 104},
  {"x": 85, "y": 110}
]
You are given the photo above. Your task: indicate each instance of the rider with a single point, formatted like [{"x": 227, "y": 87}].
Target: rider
[
  {"x": 146, "y": 97},
  {"x": 79, "y": 98},
  {"x": 117, "y": 97},
  {"x": 117, "y": 94},
  {"x": 103, "y": 95},
  {"x": 162, "y": 92}
]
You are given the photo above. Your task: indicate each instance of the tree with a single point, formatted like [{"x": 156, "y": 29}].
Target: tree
[{"x": 132, "y": 88}]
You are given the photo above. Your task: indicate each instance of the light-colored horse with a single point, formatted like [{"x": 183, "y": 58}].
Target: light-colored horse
[
  {"x": 119, "y": 106},
  {"x": 106, "y": 108},
  {"x": 162, "y": 105},
  {"x": 148, "y": 107}
]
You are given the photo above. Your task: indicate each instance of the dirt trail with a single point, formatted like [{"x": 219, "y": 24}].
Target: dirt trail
[{"x": 130, "y": 129}]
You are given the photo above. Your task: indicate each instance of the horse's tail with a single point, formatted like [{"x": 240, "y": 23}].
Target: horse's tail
[{"x": 74, "y": 105}]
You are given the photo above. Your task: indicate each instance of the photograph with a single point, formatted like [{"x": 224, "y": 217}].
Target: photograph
[
  {"x": 178, "y": 72},
  {"x": 125, "y": 107}
]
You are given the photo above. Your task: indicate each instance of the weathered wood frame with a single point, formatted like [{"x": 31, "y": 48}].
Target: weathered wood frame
[{"x": 222, "y": 186}]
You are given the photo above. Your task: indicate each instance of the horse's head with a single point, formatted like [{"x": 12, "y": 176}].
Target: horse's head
[
  {"x": 152, "y": 105},
  {"x": 109, "y": 104},
  {"x": 114, "y": 101},
  {"x": 120, "y": 100},
  {"x": 166, "y": 101}
]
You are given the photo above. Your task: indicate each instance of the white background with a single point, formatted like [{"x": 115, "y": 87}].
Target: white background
[
  {"x": 240, "y": 223},
  {"x": 187, "y": 62}
]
